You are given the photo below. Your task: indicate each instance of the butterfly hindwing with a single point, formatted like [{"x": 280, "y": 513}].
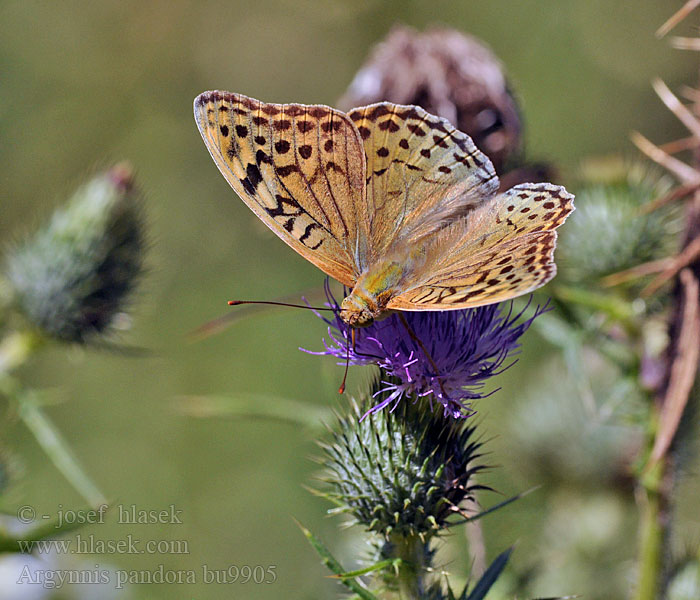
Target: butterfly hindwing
[
  {"x": 301, "y": 169},
  {"x": 503, "y": 249},
  {"x": 525, "y": 208},
  {"x": 422, "y": 173},
  {"x": 483, "y": 280}
]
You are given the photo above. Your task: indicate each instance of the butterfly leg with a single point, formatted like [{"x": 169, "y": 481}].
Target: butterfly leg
[
  {"x": 417, "y": 340},
  {"x": 341, "y": 389},
  {"x": 362, "y": 354}
]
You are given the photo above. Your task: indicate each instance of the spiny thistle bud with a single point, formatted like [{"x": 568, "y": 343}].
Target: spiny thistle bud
[
  {"x": 72, "y": 277},
  {"x": 610, "y": 232},
  {"x": 401, "y": 473},
  {"x": 448, "y": 74}
]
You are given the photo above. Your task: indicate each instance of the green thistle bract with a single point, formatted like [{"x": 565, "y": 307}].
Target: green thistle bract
[
  {"x": 403, "y": 472},
  {"x": 72, "y": 277},
  {"x": 610, "y": 233}
]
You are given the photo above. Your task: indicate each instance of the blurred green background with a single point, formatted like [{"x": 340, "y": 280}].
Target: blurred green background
[{"x": 84, "y": 84}]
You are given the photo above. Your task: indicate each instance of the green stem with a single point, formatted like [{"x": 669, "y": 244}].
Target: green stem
[
  {"x": 412, "y": 552},
  {"x": 652, "y": 533},
  {"x": 15, "y": 349},
  {"x": 57, "y": 449}
]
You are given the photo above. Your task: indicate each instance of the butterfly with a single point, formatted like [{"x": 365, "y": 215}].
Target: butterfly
[{"x": 393, "y": 202}]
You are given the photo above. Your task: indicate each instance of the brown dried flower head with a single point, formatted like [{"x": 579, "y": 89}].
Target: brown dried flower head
[{"x": 449, "y": 74}]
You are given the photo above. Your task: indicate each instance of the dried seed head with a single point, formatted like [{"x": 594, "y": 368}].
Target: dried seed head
[{"x": 449, "y": 74}]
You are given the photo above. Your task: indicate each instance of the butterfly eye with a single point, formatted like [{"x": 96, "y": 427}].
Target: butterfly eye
[
  {"x": 366, "y": 319},
  {"x": 355, "y": 311}
]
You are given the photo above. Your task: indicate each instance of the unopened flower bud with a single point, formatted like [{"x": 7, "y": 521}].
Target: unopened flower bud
[{"x": 72, "y": 277}]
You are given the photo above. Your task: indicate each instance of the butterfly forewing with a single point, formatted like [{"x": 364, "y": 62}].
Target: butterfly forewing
[
  {"x": 386, "y": 185},
  {"x": 301, "y": 169},
  {"x": 422, "y": 173},
  {"x": 502, "y": 249}
]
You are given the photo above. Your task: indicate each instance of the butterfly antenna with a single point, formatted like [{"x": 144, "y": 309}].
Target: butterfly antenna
[
  {"x": 341, "y": 389},
  {"x": 417, "y": 340},
  {"x": 270, "y": 302}
]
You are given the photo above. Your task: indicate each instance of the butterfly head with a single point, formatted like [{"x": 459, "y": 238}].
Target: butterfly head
[{"x": 356, "y": 311}]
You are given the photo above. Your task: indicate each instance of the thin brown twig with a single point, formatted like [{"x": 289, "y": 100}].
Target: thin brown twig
[
  {"x": 690, "y": 93},
  {"x": 685, "y": 43},
  {"x": 676, "y": 106},
  {"x": 684, "y": 172},
  {"x": 647, "y": 268},
  {"x": 689, "y": 254},
  {"x": 687, "y": 143},
  {"x": 683, "y": 368},
  {"x": 677, "y": 17},
  {"x": 656, "y": 483},
  {"x": 675, "y": 194}
]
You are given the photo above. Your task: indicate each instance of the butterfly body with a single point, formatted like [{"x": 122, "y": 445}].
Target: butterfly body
[
  {"x": 394, "y": 203},
  {"x": 374, "y": 289}
]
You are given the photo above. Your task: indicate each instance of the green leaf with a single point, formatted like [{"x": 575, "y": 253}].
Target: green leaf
[
  {"x": 56, "y": 448},
  {"x": 389, "y": 562},
  {"x": 484, "y": 584},
  {"x": 19, "y": 543},
  {"x": 332, "y": 564},
  {"x": 255, "y": 406},
  {"x": 613, "y": 306},
  {"x": 492, "y": 509}
]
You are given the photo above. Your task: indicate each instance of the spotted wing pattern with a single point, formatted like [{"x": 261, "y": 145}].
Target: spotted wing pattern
[
  {"x": 502, "y": 249},
  {"x": 422, "y": 174},
  {"x": 346, "y": 191},
  {"x": 301, "y": 169}
]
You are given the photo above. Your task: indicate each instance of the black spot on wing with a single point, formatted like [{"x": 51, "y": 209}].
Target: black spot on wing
[
  {"x": 307, "y": 232},
  {"x": 286, "y": 207},
  {"x": 262, "y": 157},
  {"x": 253, "y": 179}
]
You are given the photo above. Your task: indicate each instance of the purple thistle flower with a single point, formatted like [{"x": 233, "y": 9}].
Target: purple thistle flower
[{"x": 467, "y": 347}]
